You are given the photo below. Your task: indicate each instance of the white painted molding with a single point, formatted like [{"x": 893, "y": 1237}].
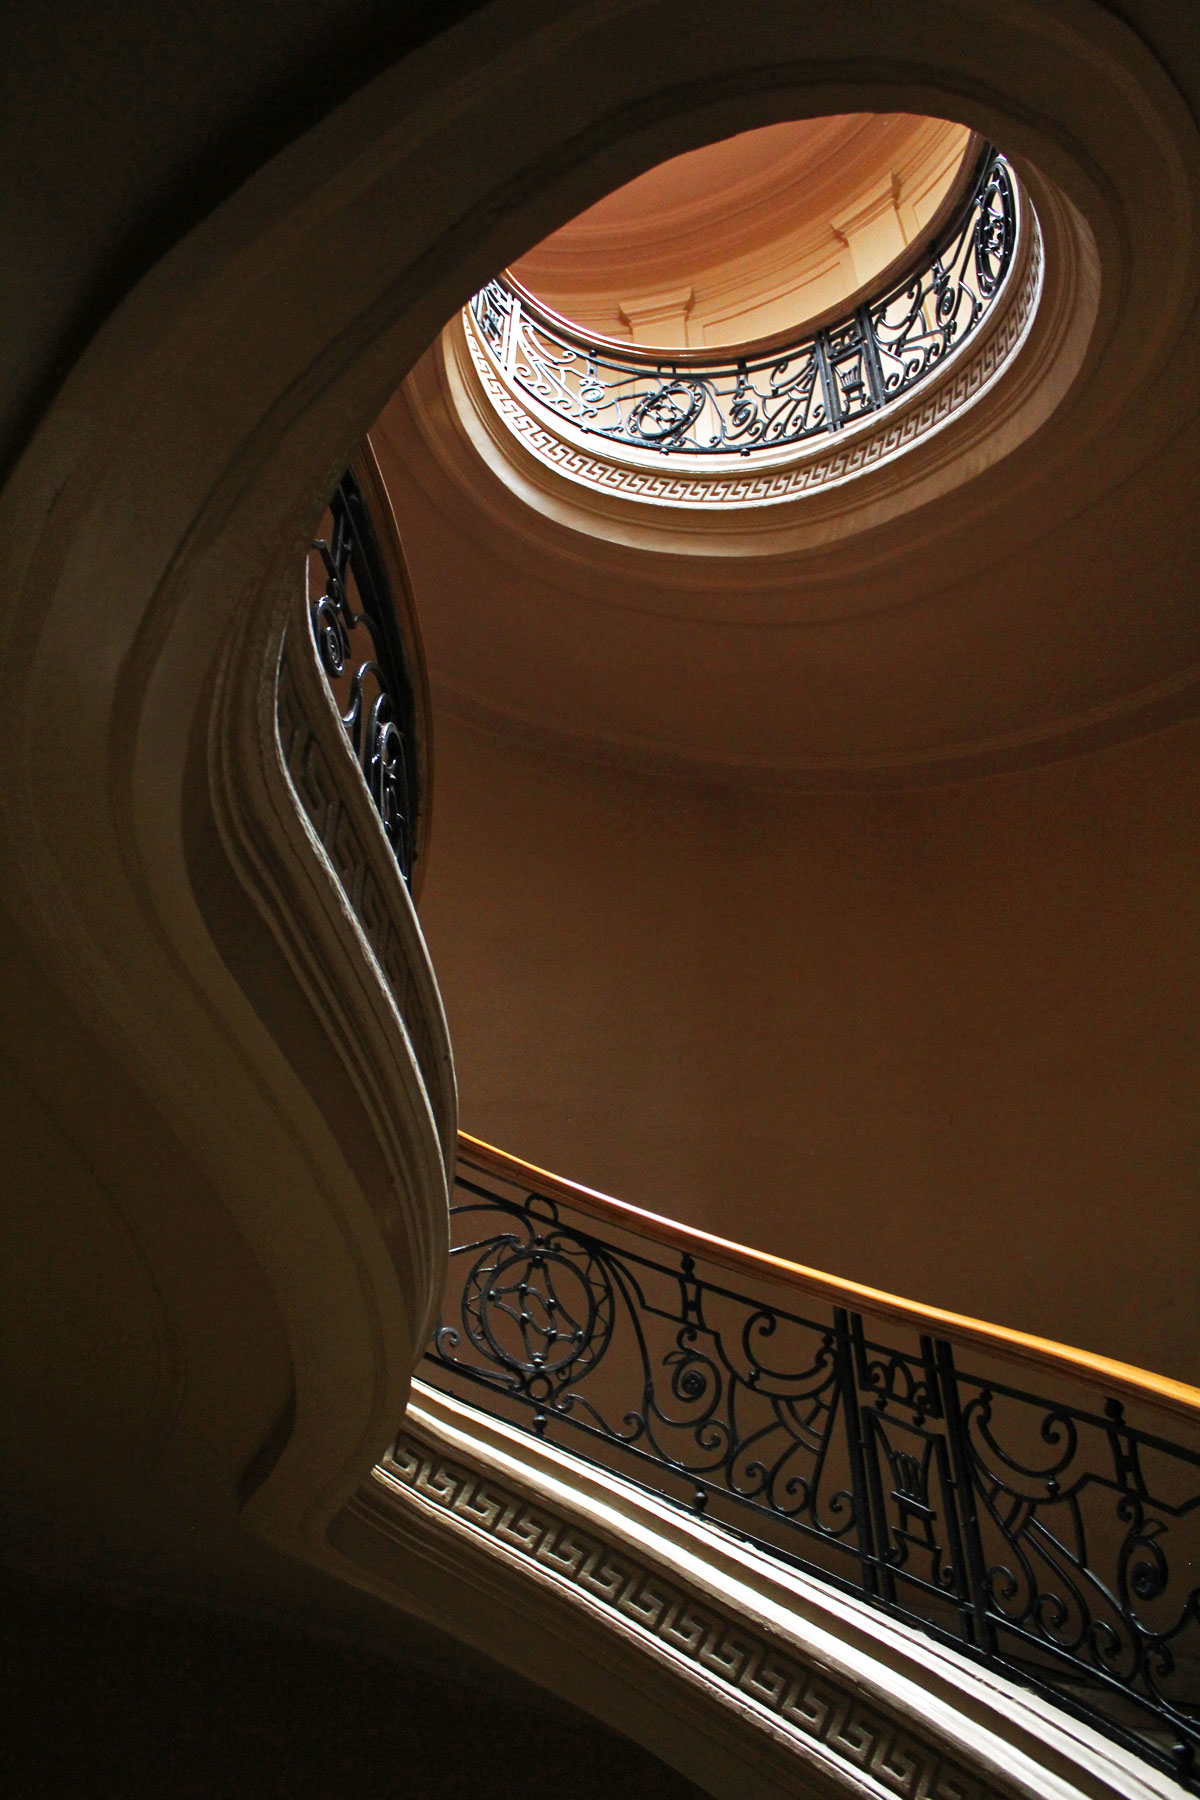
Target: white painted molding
[
  {"x": 327, "y": 786},
  {"x": 303, "y": 836},
  {"x": 755, "y": 1678}
]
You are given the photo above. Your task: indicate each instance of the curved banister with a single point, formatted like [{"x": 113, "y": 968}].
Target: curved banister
[
  {"x": 353, "y": 730},
  {"x": 1050, "y": 1531},
  {"x": 1087, "y": 1366}
]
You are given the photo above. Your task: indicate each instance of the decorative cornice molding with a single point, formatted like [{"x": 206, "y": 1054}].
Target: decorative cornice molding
[
  {"x": 748, "y": 1675},
  {"x": 368, "y": 879},
  {"x": 728, "y": 1650}
]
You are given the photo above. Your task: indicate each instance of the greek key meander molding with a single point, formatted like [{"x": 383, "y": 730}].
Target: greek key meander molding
[
  {"x": 315, "y": 786},
  {"x": 727, "y": 1650},
  {"x": 899, "y": 432}
]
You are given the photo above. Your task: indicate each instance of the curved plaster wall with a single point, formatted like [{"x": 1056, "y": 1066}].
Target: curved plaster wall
[{"x": 940, "y": 1042}]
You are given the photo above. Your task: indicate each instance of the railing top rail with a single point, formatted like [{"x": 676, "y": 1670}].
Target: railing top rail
[{"x": 1115, "y": 1377}]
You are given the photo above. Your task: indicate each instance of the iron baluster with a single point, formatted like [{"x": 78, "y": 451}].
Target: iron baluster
[
  {"x": 358, "y": 644},
  {"x": 971, "y": 1550},
  {"x": 867, "y": 1503},
  {"x": 1127, "y": 1468},
  {"x": 512, "y": 327},
  {"x": 871, "y": 358},
  {"x": 865, "y": 1431},
  {"x": 829, "y": 388}
]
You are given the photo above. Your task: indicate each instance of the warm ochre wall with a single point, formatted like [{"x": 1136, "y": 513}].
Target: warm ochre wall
[
  {"x": 945, "y": 1041},
  {"x": 751, "y": 235}
]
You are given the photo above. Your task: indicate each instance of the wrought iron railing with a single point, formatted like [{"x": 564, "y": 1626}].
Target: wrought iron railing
[
  {"x": 1050, "y": 1531},
  {"x": 352, "y": 612},
  {"x": 682, "y": 403}
]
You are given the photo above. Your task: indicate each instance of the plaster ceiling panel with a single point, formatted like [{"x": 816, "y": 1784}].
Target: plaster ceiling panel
[{"x": 752, "y": 234}]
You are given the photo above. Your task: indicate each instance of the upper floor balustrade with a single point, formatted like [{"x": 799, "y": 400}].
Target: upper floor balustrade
[{"x": 774, "y": 399}]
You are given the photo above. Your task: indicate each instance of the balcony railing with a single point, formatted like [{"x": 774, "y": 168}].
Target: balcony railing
[
  {"x": 353, "y": 611},
  {"x": 686, "y": 403},
  {"x": 352, "y": 726},
  {"x": 1035, "y": 1507}
]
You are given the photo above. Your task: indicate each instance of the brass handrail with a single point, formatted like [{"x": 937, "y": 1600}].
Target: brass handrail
[{"x": 1098, "y": 1371}]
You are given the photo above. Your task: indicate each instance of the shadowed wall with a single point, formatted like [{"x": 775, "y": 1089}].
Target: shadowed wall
[
  {"x": 113, "y": 1702},
  {"x": 943, "y": 1042}
]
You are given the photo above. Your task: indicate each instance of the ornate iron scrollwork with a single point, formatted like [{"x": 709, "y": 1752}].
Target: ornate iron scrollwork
[
  {"x": 358, "y": 645},
  {"x": 696, "y": 406},
  {"x": 539, "y": 1305},
  {"x": 1056, "y": 1543}
]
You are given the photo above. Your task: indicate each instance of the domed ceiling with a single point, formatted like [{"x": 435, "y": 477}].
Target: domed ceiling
[
  {"x": 1030, "y": 596},
  {"x": 752, "y": 235}
]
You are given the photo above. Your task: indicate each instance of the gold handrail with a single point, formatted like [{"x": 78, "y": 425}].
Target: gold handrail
[{"x": 1116, "y": 1378}]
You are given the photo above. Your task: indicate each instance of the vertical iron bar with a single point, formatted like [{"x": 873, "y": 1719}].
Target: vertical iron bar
[
  {"x": 508, "y": 349},
  {"x": 964, "y": 1481},
  {"x": 855, "y": 1449},
  {"x": 871, "y": 360},
  {"x": 833, "y": 411},
  {"x": 870, "y": 1432},
  {"x": 948, "y": 1478}
]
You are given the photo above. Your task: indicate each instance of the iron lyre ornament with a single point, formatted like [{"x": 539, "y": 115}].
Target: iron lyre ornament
[
  {"x": 1050, "y": 1537},
  {"x": 784, "y": 396},
  {"x": 359, "y": 647}
]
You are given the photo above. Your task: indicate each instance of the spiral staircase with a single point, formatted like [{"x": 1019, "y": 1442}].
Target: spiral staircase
[{"x": 285, "y": 1346}]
